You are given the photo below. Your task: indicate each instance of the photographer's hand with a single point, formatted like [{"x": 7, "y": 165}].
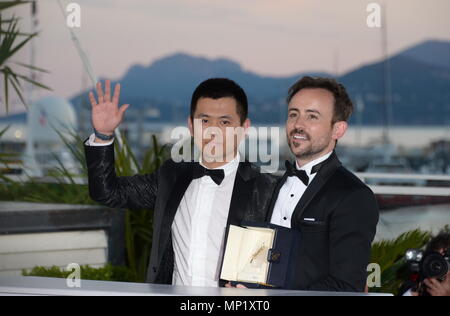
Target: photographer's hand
[{"x": 436, "y": 288}]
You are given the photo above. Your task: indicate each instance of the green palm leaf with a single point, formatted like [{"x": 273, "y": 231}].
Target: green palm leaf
[
  {"x": 8, "y": 4},
  {"x": 11, "y": 42}
]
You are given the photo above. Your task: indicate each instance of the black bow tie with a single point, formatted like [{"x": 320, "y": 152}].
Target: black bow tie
[
  {"x": 217, "y": 175},
  {"x": 292, "y": 171}
]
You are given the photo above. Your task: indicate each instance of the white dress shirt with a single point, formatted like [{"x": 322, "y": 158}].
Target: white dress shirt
[
  {"x": 199, "y": 226},
  {"x": 291, "y": 193}
]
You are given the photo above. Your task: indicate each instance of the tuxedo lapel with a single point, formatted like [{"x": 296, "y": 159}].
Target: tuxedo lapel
[
  {"x": 307, "y": 197},
  {"x": 276, "y": 192},
  {"x": 174, "y": 198},
  {"x": 242, "y": 193},
  {"x": 327, "y": 170}
]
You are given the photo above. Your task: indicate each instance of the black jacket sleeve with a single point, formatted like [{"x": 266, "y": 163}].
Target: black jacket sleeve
[
  {"x": 352, "y": 230},
  {"x": 135, "y": 192}
]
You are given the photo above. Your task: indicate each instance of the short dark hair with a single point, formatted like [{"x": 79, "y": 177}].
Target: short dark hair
[
  {"x": 441, "y": 241},
  {"x": 343, "y": 106},
  {"x": 217, "y": 88}
]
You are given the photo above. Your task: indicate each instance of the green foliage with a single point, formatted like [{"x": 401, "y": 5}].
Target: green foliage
[
  {"x": 106, "y": 273},
  {"x": 63, "y": 193},
  {"x": 8, "y": 4},
  {"x": 389, "y": 254},
  {"x": 9, "y": 36}
]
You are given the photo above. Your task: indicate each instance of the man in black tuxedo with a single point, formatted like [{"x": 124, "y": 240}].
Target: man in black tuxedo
[
  {"x": 335, "y": 212},
  {"x": 193, "y": 202}
]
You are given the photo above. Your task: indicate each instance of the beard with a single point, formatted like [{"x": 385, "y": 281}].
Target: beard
[{"x": 305, "y": 149}]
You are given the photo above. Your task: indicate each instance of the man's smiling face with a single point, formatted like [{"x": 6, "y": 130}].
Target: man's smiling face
[{"x": 310, "y": 130}]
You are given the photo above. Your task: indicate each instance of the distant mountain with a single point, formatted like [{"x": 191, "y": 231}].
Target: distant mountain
[
  {"x": 436, "y": 53},
  {"x": 420, "y": 85},
  {"x": 420, "y": 88},
  {"x": 168, "y": 83},
  {"x": 174, "y": 78}
]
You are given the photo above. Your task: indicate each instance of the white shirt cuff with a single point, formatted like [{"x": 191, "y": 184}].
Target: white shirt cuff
[{"x": 90, "y": 141}]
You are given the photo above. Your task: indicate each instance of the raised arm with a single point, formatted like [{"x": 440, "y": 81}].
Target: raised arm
[{"x": 135, "y": 192}]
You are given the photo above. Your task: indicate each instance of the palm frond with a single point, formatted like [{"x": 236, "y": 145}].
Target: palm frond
[
  {"x": 8, "y": 4},
  {"x": 31, "y": 67},
  {"x": 3, "y": 131},
  {"x": 7, "y": 48},
  {"x": 12, "y": 40},
  {"x": 12, "y": 79}
]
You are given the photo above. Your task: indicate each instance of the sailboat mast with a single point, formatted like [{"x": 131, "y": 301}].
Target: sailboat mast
[
  {"x": 29, "y": 158},
  {"x": 387, "y": 89}
]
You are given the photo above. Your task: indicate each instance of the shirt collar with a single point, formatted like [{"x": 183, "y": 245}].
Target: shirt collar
[{"x": 308, "y": 167}]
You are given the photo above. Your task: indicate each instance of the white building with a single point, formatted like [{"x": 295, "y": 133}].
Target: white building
[{"x": 34, "y": 137}]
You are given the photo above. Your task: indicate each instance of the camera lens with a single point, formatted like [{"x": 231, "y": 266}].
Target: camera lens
[{"x": 434, "y": 265}]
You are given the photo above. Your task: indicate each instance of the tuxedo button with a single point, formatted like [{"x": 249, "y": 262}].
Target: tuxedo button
[
  {"x": 285, "y": 218},
  {"x": 292, "y": 195}
]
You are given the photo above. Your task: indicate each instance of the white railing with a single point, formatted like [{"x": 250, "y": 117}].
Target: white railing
[
  {"x": 406, "y": 189},
  {"x": 401, "y": 176}
]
